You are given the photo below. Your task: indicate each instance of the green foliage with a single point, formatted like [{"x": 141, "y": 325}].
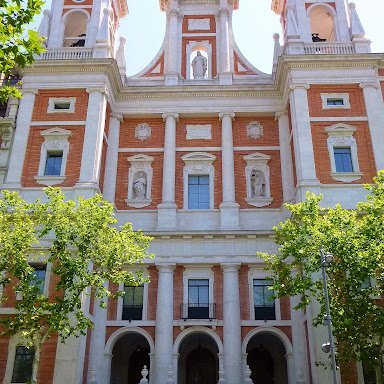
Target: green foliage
[
  {"x": 356, "y": 239},
  {"x": 84, "y": 248},
  {"x": 17, "y": 45}
]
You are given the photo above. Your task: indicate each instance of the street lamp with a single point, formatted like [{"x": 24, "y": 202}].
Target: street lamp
[{"x": 326, "y": 261}]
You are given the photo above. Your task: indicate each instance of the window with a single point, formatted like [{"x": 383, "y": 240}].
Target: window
[
  {"x": 264, "y": 302},
  {"x": 335, "y": 102},
  {"x": 39, "y": 277},
  {"x": 343, "y": 159},
  {"x": 61, "y": 105},
  {"x": 22, "y": 368},
  {"x": 198, "y": 192},
  {"x": 198, "y": 299},
  {"x": 53, "y": 163},
  {"x": 133, "y": 302}
]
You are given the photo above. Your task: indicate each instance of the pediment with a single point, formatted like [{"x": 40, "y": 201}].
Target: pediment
[
  {"x": 199, "y": 157},
  {"x": 56, "y": 133},
  {"x": 257, "y": 156},
  {"x": 140, "y": 158},
  {"x": 340, "y": 129}
]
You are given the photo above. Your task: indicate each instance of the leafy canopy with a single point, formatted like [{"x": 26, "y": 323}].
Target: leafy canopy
[
  {"x": 82, "y": 246},
  {"x": 17, "y": 44},
  {"x": 356, "y": 239}
]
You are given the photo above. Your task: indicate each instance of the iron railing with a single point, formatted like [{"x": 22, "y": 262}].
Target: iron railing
[
  {"x": 265, "y": 312},
  {"x": 132, "y": 312},
  {"x": 198, "y": 311}
]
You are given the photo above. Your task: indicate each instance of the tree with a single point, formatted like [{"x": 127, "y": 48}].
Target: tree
[
  {"x": 84, "y": 248},
  {"x": 356, "y": 239},
  {"x": 17, "y": 44}
]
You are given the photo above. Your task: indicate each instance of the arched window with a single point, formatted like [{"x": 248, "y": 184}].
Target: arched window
[
  {"x": 75, "y": 32},
  {"x": 322, "y": 20}
]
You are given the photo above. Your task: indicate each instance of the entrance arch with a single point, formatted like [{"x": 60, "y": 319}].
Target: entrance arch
[
  {"x": 199, "y": 352},
  {"x": 128, "y": 351},
  {"x": 268, "y": 353}
]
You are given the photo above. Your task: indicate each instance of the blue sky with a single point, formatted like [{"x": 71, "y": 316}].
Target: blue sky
[{"x": 253, "y": 24}]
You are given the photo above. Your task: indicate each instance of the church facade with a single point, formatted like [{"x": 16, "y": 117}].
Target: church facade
[{"x": 200, "y": 150}]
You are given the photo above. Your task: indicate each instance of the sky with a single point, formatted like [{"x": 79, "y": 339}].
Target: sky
[{"x": 253, "y": 24}]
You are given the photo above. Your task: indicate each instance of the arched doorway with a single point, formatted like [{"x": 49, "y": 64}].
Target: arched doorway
[
  {"x": 266, "y": 359},
  {"x": 130, "y": 354},
  {"x": 198, "y": 360}
]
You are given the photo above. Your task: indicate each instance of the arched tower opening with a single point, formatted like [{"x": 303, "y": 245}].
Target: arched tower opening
[
  {"x": 322, "y": 22},
  {"x": 75, "y": 32}
]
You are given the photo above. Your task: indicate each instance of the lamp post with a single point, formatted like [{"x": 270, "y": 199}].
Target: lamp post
[{"x": 326, "y": 260}]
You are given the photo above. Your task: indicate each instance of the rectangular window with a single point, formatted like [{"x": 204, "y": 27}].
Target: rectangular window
[
  {"x": 343, "y": 159},
  {"x": 264, "y": 302},
  {"x": 198, "y": 299},
  {"x": 39, "y": 276},
  {"x": 22, "y": 368},
  {"x": 62, "y": 105},
  {"x": 335, "y": 102},
  {"x": 53, "y": 163},
  {"x": 198, "y": 192},
  {"x": 133, "y": 302}
]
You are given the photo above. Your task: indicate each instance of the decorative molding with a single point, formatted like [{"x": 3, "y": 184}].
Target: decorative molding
[
  {"x": 117, "y": 116},
  {"x": 255, "y": 130},
  {"x": 143, "y": 131},
  {"x": 140, "y": 181},
  {"x": 223, "y": 114},
  {"x": 175, "y": 115},
  {"x": 373, "y": 84},
  {"x": 199, "y": 132},
  {"x": 257, "y": 178},
  {"x": 299, "y": 86},
  {"x": 103, "y": 90}
]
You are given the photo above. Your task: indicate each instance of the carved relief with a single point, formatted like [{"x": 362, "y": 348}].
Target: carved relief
[
  {"x": 255, "y": 130},
  {"x": 143, "y": 131},
  {"x": 257, "y": 180},
  {"x": 140, "y": 181}
]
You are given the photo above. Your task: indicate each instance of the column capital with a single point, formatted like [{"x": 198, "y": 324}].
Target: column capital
[
  {"x": 370, "y": 84},
  {"x": 117, "y": 116},
  {"x": 34, "y": 91},
  {"x": 224, "y": 11},
  {"x": 230, "y": 267},
  {"x": 280, "y": 114},
  {"x": 97, "y": 89},
  {"x": 175, "y": 115},
  {"x": 229, "y": 114},
  {"x": 294, "y": 86},
  {"x": 174, "y": 12},
  {"x": 166, "y": 268}
]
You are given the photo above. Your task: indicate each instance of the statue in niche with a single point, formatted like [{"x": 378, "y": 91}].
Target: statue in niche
[
  {"x": 139, "y": 188},
  {"x": 257, "y": 184},
  {"x": 199, "y": 66}
]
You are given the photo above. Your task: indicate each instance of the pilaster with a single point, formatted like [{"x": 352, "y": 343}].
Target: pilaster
[
  {"x": 225, "y": 75},
  {"x": 172, "y": 72}
]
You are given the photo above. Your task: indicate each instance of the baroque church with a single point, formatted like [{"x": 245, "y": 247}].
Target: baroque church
[{"x": 200, "y": 150}]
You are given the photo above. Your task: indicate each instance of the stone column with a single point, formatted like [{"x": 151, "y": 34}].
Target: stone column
[
  {"x": 375, "y": 111},
  {"x": 172, "y": 72},
  {"x": 232, "y": 325},
  {"x": 164, "y": 323},
  {"x": 96, "y": 350},
  {"x": 285, "y": 155},
  {"x": 298, "y": 341},
  {"x": 112, "y": 157},
  {"x": 20, "y": 140},
  {"x": 167, "y": 208},
  {"x": 291, "y": 368},
  {"x": 93, "y": 142},
  {"x": 229, "y": 209},
  {"x": 302, "y": 139},
  {"x": 225, "y": 74},
  {"x": 56, "y": 32}
]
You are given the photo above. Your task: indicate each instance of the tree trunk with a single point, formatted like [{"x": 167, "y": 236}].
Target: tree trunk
[{"x": 36, "y": 361}]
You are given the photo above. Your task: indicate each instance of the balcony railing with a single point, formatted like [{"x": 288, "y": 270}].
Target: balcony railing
[
  {"x": 265, "y": 312},
  {"x": 329, "y": 49},
  {"x": 67, "y": 54},
  {"x": 132, "y": 312},
  {"x": 198, "y": 311}
]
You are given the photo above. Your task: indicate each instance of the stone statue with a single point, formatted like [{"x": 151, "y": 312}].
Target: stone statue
[
  {"x": 199, "y": 66},
  {"x": 257, "y": 183},
  {"x": 139, "y": 188}
]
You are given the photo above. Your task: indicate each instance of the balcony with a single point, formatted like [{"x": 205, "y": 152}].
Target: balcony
[
  {"x": 132, "y": 312},
  {"x": 329, "y": 49},
  {"x": 198, "y": 311},
  {"x": 67, "y": 54}
]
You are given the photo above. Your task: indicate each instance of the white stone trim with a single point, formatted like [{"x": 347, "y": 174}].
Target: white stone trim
[
  {"x": 199, "y": 24},
  {"x": 199, "y": 132},
  {"x": 341, "y": 135},
  {"x": 256, "y": 273},
  {"x": 56, "y": 100},
  {"x": 198, "y": 272},
  {"x": 199, "y": 164},
  {"x": 342, "y": 96},
  {"x": 258, "y": 162},
  {"x": 56, "y": 123},
  {"x": 55, "y": 139},
  {"x": 141, "y": 168}
]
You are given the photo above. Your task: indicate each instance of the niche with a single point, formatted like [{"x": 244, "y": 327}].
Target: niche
[
  {"x": 322, "y": 21},
  {"x": 75, "y": 31}
]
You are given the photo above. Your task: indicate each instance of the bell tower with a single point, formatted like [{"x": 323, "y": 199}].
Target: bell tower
[
  {"x": 321, "y": 22},
  {"x": 83, "y": 24}
]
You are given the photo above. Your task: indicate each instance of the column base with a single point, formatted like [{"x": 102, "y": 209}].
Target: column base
[
  {"x": 86, "y": 190},
  {"x": 14, "y": 187},
  {"x": 229, "y": 215},
  {"x": 171, "y": 79},
  {"x": 166, "y": 216},
  {"x": 225, "y": 78}
]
